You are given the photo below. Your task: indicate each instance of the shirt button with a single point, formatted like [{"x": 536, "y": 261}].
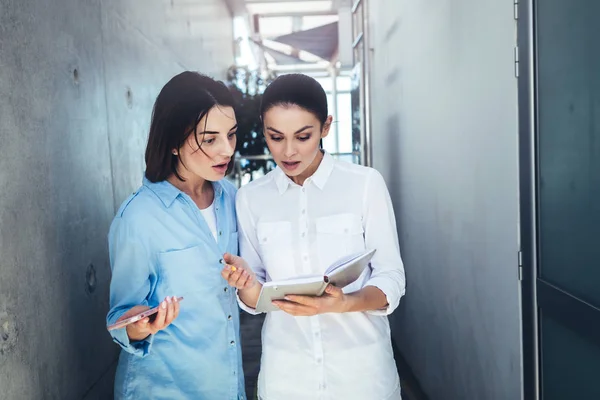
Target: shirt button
[
  {"x": 225, "y": 289},
  {"x": 229, "y": 317},
  {"x": 346, "y": 230},
  {"x": 305, "y": 258},
  {"x": 220, "y": 233},
  {"x": 319, "y": 361},
  {"x": 304, "y": 190},
  {"x": 303, "y": 211},
  {"x": 303, "y": 234},
  {"x": 232, "y": 342}
]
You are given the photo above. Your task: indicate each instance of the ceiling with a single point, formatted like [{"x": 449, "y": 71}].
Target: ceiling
[{"x": 294, "y": 31}]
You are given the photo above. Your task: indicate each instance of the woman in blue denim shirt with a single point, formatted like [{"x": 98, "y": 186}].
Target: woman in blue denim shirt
[{"x": 167, "y": 240}]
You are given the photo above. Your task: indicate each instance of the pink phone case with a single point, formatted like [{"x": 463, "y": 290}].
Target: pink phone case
[{"x": 136, "y": 317}]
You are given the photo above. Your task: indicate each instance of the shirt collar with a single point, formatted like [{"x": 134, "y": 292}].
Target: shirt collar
[
  {"x": 167, "y": 193},
  {"x": 319, "y": 177}
]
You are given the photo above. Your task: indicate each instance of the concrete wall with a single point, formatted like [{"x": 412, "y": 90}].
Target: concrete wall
[
  {"x": 445, "y": 138},
  {"x": 77, "y": 84}
]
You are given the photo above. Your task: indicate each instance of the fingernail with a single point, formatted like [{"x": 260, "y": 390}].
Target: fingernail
[
  {"x": 175, "y": 299},
  {"x": 164, "y": 305}
]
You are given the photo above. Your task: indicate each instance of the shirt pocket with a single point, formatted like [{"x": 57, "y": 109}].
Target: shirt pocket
[
  {"x": 187, "y": 272},
  {"x": 337, "y": 236},
  {"x": 275, "y": 245}
]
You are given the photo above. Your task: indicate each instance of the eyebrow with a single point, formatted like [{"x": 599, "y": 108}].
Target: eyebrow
[
  {"x": 295, "y": 133},
  {"x": 215, "y": 132}
]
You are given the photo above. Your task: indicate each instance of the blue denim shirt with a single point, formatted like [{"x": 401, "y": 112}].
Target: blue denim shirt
[{"x": 161, "y": 246}]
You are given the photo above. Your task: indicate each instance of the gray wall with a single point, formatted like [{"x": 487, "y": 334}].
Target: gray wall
[
  {"x": 445, "y": 138},
  {"x": 77, "y": 84}
]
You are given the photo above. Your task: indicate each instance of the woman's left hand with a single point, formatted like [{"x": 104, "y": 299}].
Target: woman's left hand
[{"x": 332, "y": 301}]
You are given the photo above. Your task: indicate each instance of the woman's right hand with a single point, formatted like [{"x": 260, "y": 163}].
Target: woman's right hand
[{"x": 140, "y": 330}]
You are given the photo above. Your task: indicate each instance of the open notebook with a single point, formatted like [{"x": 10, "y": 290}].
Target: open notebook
[{"x": 340, "y": 274}]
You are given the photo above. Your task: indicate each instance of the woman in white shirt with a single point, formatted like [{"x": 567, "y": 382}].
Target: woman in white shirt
[{"x": 297, "y": 220}]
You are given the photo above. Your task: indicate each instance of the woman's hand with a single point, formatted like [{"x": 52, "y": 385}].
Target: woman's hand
[
  {"x": 140, "y": 330},
  {"x": 332, "y": 301},
  {"x": 237, "y": 273}
]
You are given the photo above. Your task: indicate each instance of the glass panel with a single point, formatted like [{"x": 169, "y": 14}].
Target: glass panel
[
  {"x": 357, "y": 22},
  {"x": 344, "y": 84},
  {"x": 358, "y": 52},
  {"x": 569, "y": 145},
  {"x": 356, "y": 106},
  {"x": 329, "y": 141},
  {"x": 570, "y": 364},
  {"x": 343, "y": 121},
  {"x": 325, "y": 82}
]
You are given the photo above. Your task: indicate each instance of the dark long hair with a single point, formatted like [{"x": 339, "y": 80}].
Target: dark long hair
[{"x": 178, "y": 109}]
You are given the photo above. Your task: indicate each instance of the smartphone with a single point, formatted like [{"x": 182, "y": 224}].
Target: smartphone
[{"x": 137, "y": 317}]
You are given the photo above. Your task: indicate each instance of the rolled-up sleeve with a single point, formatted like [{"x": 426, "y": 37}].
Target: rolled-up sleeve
[
  {"x": 381, "y": 234},
  {"x": 248, "y": 242},
  {"x": 132, "y": 270}
]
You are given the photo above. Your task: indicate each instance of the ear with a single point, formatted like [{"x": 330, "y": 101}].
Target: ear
[{"x": 326, "y": 126}]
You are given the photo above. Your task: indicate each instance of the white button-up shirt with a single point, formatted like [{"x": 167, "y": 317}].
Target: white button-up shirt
[{"x": 286, "y": 231}]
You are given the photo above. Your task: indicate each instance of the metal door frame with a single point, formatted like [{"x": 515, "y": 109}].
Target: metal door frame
[{"x": 527, "y": 100}]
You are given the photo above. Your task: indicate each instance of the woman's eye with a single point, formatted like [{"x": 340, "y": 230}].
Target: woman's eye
[
  {"x": 231, "y": 135},
  {"x": 208, "y": 141},
  {"x": 276, "y": 138},
  {"x": 303, "y": 138}
]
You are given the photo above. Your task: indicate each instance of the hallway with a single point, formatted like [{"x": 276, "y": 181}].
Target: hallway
[{"x": 482, "y": 117}]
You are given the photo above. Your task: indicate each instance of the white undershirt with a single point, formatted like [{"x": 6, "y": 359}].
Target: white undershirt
[{"x": 211, "y": 218}]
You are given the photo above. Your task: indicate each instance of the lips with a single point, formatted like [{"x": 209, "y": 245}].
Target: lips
[
  {"x": 222, "y": 168},
  {"x": 290, "y": 165}
]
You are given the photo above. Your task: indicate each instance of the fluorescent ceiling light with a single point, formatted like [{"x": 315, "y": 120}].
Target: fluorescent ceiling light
[{"x": 290, "y": 6}]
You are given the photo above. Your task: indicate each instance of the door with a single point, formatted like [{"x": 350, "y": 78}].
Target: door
[{"x": 560, "y": 191}]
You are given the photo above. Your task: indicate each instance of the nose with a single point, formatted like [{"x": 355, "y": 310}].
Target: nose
[
  {"x": 289, "y": 149},
  {"x": 227, "y": 148}
]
